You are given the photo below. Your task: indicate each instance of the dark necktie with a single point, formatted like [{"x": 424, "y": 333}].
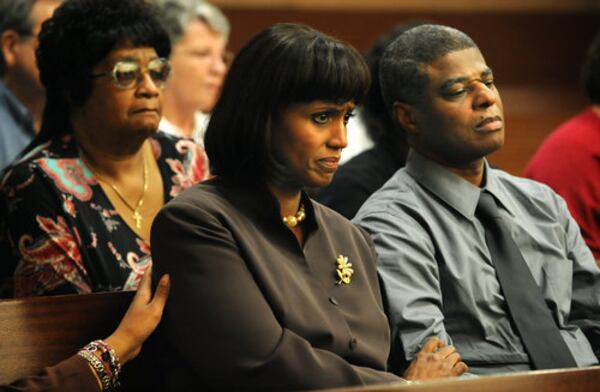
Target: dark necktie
[{"x": 532, "y": 317}]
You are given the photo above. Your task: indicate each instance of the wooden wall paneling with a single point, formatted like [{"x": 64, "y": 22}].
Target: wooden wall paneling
[
  {"x": 536, "y": 55},
  {"x": 419, "y": 5}
]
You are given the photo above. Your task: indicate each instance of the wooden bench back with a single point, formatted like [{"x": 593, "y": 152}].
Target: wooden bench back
[{"x": 39, "y": 332}]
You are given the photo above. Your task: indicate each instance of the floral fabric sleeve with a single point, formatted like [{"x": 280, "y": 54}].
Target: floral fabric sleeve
[
  {"x": 43, "y": 245},
  {"x": 189, "y": 168}
]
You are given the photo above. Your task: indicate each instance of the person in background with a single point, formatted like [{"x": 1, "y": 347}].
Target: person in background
[
  {"x": 97, "y": 366},
  {"x": 362, "y": 175},
  {"x": 21, "y": 93},
  {"x": 491, "y": 263},
  {"x": 76, "y": 209},
  {"x": 568, "y": 160},
  {"x": 199, "y": 33},
  {"x": 272, "y": 290}
]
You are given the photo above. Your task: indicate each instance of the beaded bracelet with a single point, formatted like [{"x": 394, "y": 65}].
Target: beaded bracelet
[
  {"x": 98, "y": 366},
  {"x": 105, "y": 356},
  {"x": 109, "y": 356}
]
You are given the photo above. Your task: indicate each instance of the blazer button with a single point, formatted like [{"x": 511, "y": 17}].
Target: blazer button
[
  {"x": 333, "y": 301},
  {"x": 352, "y": 343}
]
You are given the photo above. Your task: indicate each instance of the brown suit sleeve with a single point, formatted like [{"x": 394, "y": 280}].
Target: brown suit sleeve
[
  {"x": 221, "y": 323},
  {"x": 70, "y": 375}
]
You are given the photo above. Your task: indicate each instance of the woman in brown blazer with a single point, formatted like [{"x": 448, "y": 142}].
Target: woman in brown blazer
[{"x": 272, "y": 290}]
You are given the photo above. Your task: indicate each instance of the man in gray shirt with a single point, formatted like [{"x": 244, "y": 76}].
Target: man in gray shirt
[
  {"x": 438, "y": 273},
  {"x": 21, "y": 92}
]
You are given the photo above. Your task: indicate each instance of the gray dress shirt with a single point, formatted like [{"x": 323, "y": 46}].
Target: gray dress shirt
[
  {"x": 16, "y": 126},
  {"x": 438, "y": 275}
]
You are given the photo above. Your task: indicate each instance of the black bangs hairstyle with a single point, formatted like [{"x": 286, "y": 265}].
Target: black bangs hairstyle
[
  {"x": 79, "y": 35},
  {"x": 283, "y": 65}
]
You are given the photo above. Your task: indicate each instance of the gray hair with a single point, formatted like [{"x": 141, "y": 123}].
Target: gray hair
[
  {"x": 176, "y": 14},
  {"x": 402, "y": 74},
  {"x": 15, "y": 15}
]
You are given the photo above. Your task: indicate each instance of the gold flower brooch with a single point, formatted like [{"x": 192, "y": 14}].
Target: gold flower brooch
[{"x": 344, "y": 270}]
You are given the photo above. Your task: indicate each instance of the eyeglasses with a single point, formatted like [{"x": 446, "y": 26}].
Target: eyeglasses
[{"x": 127, "y": 73}]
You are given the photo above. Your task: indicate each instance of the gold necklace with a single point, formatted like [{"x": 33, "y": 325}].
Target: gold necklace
[
  {"x": 292, "y": 221},
  {"x": 137, "y": 217}
]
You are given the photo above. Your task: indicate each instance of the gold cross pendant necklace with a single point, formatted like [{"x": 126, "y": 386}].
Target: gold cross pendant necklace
[{"x": 137, "y": 217}]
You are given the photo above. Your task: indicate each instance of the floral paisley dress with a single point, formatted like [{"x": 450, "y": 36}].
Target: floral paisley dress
[{"x": 59, "y": 232}]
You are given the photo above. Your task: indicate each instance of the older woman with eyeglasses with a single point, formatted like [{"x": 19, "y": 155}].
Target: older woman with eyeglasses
[{"x": 76, "y": 208}]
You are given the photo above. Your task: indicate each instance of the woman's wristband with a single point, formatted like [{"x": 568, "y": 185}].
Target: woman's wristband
[{"x": 103, "y": 359}]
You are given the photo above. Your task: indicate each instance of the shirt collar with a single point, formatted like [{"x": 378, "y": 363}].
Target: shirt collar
[
  {"x": 495, "y": 186},
  {"x": 453, "y": 190},
  {"x": 200, "y": 124},
  {"x": 262, "y": 205}
]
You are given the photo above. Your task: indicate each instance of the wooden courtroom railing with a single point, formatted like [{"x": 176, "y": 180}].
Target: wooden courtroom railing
[
  {"x": 562, "y": 380},
  {"x": 39, "y": 332}
]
